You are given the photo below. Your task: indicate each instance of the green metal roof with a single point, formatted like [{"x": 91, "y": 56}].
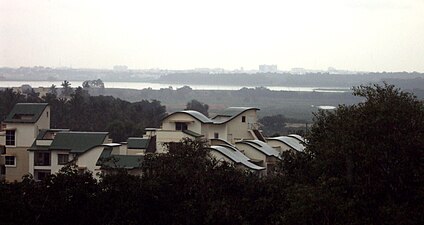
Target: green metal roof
[
  {"x": 108, "y": 161},
  {"x": 78, "y": 142},
  {"x": 30, "y": 111},
  {"x": 137, "y": 143},
  {"x": 40, "y": 136}
]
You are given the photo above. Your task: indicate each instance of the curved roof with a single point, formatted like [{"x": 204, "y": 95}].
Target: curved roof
[
  {"x": 236, "y": 156},
  {"x": 231, "y": 113},
  {"x": 224, "y": 142},
  {"x": 291, "y": 142},
  {"x": 298, "y": 137},
  {"x": 262, "y": 147},
  {"x": 197, "y": 115}
]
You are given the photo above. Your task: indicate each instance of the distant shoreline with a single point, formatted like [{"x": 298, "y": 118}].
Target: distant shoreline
[{"x": 157, "y": 86}]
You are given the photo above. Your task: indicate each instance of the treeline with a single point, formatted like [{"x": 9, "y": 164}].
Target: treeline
[
  {"x": 83, "y": 112},
  {"x": 286, "y": 79}
]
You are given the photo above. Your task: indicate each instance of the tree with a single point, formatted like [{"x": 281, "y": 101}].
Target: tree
[
  {"x": 67, "y": 90},
  {"x": 364, "y": 162},
  {"x": 53, "y": 90},
  {"x": 198, "y": 106},
  {"x": 93, "y": 84},
  {"x": 273, "y": 124}
]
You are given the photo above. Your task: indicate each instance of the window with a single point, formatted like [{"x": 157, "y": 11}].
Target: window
[
  {"x": 243, "y": 119},
  {"x": 216, "y": 135},
  {"x": 180, "y": 126},
  {"x": 10, "y": 160},
  {"x": 2, "y": 150},
  {"x": 41, "y": 174},
  {"x": 42, "y": 159},
  {"x": 62, "y": 159},
  {"x": 2, "y": 170},
  {"x": 10, "y": 137}
]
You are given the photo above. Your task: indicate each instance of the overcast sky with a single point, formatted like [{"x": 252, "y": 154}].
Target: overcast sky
[{"x": 367, "y": 35}]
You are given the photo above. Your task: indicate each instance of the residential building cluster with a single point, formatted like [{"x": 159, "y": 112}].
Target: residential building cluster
[{"x": 30, "y": 146}]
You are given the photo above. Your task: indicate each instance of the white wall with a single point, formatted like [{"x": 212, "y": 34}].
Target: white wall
[
  {"x": 89, "y": 158},
  {"x": 166, "y": 136},
  {"x": 252, "y": 152},
  {"x": 192, "y": 123},
  {"x": 278, "y": 145}
]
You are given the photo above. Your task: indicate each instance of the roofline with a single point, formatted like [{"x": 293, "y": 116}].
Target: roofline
[
  {"x": 184, "y": 112},
  {"x": 254, "y": 145},
  {"x": 238, "y": 163},
  {"x": 234, "y": 116},
  {"x": 22, "y": 103},
  {"x": 291, "y": 146}
]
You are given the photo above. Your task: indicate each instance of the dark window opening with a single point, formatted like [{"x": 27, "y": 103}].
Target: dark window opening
[
  {"x": 10, "y": 137},
  {"x": 10, "y": 160},
  {"x": 243, "y": 119},
  {"x": 42, "y": 159},
  {"x": 180, "y": 126},
  {"x": 62, "y": 159},
  {"x": 41, "y": 174}
]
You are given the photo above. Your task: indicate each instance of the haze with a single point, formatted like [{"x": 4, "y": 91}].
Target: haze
[{"x": 366, "y": 35}]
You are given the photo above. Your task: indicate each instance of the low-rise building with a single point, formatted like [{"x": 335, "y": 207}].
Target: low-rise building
[
  {"x": 18, "y": 131},
  {"x": 82, "y": 149}
]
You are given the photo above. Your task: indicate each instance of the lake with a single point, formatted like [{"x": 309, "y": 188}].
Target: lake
[{"x": 157, "y": 86}]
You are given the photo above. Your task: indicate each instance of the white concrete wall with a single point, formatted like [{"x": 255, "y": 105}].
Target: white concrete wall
[
  {"x": 252, "y": 153},
  {"x": 44, "y": 120},
  {"x": 278, "y": 145},
  {"x": 240, "y": 130},
  {"x": 192, "y": 123},
  {"x": 220, "y": 129},
  {"x": 166, "y": 136},
  {"x": 89, "y": 158},
  {"x": 25, "y": 133}
]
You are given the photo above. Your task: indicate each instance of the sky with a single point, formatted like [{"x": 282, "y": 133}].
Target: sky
[{"x": 360, "y": 35}]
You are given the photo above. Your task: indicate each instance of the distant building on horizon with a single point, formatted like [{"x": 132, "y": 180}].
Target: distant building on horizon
[
  {"x": 120, "y": 68},
  {"x": 268, "y": 68}
]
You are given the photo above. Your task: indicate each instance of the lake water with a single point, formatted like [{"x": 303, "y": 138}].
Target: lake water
[{"x": 157, "y": 86}]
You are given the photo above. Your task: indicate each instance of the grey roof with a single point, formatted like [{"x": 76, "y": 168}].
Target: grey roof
[
  {"x": 78, "y": 142},
  {"x": 221, "y": 140},
  {"x": 231, "y": 113},
  {"x": 262, "y": 147},
  {"x": 197, "y": 115},
  {"x": 108, "y": 161},
  {"x": 192, "y": 133},
  {"x": 137, "y": 143},
  {"x": 298, "y": 137},
  {"x": 291, "y": 142},
  {"x": 236, "y": 156},
  {"x": 30, "y": 111}
]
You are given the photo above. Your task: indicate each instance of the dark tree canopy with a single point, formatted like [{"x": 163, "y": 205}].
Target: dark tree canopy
[
  {"x": 198, "y": 106},
  {"x": 366, "y": 160}
]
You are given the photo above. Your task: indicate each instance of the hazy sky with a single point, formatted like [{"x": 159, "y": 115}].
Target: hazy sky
[{"x": 371, "y": 35}]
